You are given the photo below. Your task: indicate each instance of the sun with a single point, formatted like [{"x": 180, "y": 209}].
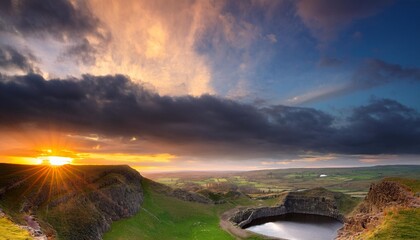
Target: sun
[
  {"x": 55, "y": 157},
  {"x": 54, "y": 160},
  {"x": 58, "y": 161}
]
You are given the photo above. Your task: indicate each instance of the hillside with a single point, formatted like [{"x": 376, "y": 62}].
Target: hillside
[
  {"x": 391, "y": 210},
  {"x": 69, "y": 202},
  {"x": 116, "y": 202},
  {"x": 83, "y": 202},
  {"x": 165, "y": 216}
]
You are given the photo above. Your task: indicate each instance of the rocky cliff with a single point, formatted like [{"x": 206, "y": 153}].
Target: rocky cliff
[
  {"x": 70, "y": 202},
  {"x": 318, "y": 201},
  {"x": 383, "y": 196}
]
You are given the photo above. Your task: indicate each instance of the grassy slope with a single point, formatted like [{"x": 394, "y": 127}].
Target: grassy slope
[
  {"x": 399, "y": 223},
  {"x": 164, "y": 217},
  {"x": 9, "y": 230},
  {"x": 346, "y": 204}
]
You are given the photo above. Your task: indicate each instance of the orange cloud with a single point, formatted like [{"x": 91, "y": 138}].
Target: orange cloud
[{"x": 154, "y": 41}]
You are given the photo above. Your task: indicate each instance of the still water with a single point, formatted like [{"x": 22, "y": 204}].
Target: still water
[{"x": 297, "y": 227}]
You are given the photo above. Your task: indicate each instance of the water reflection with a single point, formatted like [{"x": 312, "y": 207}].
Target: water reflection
[{"x": 297, "y": 227}]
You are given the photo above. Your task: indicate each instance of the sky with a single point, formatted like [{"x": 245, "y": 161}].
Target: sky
[{"x": 210, "y": 85}]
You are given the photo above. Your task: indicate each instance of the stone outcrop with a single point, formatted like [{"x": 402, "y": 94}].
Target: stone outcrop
[
  {"x": 245, "y": 217},
  {"x": 368, "y": 215},
  {"x": 317, "y": 205},
  {"x": 317, "y": 201}
]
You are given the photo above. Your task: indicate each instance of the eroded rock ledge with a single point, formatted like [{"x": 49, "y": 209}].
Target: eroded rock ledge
[
  {"x": 369, "y": 214},
  {"x": 317, "y": 201}
]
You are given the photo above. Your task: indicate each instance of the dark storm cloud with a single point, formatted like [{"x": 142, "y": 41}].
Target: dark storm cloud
[
  {"x": 384, "y": 126},
  {"x": 61, "y": 19},
  {"x": 12, "y": 59},
  {"x": 115, "y": 106}
]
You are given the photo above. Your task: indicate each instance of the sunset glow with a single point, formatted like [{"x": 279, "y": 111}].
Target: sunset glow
[
  {"x": 56, "y": 160},
  {"x": 181, "y": 118},
  {"x": 222, "y": 85}
]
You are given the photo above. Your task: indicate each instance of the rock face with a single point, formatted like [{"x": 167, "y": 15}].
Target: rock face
[
  {"x": 385, "y": 194},
  {"x": 369, "y": 213},
  {"x": 317, "y": 201},
  {"x": 317, "y": 205},
  {"x": 80, "y": 204}
]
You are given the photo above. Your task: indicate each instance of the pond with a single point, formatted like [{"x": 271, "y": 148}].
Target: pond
[{"x": 295, "y": 226}]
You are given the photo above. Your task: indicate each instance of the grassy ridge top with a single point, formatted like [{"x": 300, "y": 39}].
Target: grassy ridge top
[{"x": 390, "y": 211}]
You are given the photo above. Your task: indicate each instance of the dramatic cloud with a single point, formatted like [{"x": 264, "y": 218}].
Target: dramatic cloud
[
  {"x": 185, "y": 46},
  {"x": 325, "y": 17},
  {"x": 114, "y": 106},
  {"x": 69, "y": 22},
  {"x": 201, "y": 79},
  {"x": 384, "y": 126},
  {"x": 372, "y": 73},
  {"x": 154, "y": 42},
  {"x": 11, "y": 59}
]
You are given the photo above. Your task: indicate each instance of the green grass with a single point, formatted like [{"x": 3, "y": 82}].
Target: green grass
[
  {"x": 164, "y": 217},
  {"x": 403, "y": 224},
  {"x": 10, "y": 231},
  {"x": 412, "y": 184}
]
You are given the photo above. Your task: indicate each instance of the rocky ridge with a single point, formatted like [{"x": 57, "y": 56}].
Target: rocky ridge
[
  {"x": 82, "y": 205},
  {"x": 381, "y": 196}
]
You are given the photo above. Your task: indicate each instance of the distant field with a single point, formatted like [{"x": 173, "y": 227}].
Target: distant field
[{"x": 352, "y": 181}]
